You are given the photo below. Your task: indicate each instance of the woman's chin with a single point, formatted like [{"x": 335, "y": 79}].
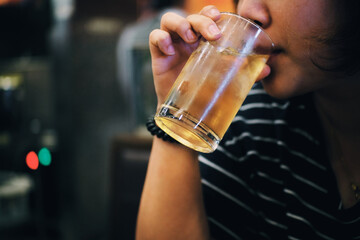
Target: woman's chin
[{"x": 275, "y": 89}]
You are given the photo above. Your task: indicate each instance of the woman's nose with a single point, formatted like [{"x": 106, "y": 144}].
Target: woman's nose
[{"x": 255, "y": 10}]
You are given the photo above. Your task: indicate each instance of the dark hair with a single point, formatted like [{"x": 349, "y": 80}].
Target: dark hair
[{"x": 343, "y": 42}]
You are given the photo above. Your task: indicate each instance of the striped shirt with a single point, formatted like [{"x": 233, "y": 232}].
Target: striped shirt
[{"x": 270, "y": 177}]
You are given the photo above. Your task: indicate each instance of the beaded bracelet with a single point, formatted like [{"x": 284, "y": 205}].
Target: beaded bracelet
[{"x": 158, "y": 132}]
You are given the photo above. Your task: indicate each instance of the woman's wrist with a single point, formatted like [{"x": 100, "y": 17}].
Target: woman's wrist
[
  {"x": 164, "y": 139},
  {"x": 158, "y": 132}
]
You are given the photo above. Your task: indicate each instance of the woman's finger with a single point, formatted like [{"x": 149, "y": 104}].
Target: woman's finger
[
  {"x": 205, "y": 26},
  {"x": 161, "y": 43},
  {"x": 177, "y": 25},
  {"x": 189, "y": 28},
  {"x": 211, "y": 12}
]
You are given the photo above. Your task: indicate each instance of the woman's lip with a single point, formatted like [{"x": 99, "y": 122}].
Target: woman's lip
[
  {"x": 271, "y": 63},
  {"x": 276, "y": 51},
  {"x": 273, "y": 55}
]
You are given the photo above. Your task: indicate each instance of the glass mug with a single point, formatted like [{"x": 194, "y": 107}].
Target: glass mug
[{"x": 213, "y": 84}]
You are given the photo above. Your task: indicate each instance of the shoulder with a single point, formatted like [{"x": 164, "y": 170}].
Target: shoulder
[
  {"x": 264, "y": 124},
  {"x": 259, "y": 114},
  {"x": 267, "y": 115}
]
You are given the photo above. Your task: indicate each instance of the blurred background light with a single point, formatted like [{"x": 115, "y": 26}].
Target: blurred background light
[
  {"x": 44, "y": 156},
  {"x": 32, "y": 160}
]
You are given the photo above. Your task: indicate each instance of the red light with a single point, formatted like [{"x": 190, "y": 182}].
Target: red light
[{"x": 32, "y": 160}]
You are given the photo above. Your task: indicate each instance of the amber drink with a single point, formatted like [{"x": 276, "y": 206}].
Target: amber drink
[{"x": 212, "y": 86}]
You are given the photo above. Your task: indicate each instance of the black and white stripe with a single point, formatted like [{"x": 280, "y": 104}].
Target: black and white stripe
[{"x": 270, "y": 178}]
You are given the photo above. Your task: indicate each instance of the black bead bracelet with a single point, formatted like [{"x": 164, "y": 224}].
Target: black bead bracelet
[{"x": 158, "y": 132}]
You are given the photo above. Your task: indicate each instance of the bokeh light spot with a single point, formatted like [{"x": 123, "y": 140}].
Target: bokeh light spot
[
  {"x": 32, "y": 160},
  {"x": 45, "y": 156}
]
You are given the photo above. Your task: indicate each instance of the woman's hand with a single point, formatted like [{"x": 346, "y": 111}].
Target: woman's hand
[{"x": 173, "y": 43}]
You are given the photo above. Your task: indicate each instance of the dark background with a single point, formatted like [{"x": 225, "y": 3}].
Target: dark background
[
  {"x": 59, "y": 89},
  {"x": 70, "y": 102}
]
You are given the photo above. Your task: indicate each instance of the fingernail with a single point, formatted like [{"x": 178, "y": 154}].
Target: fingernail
[
  {"x": 190, "y": 35},
  {"x": 214, "y": 30},
  {"x": 214, "y": 12},
  {"x": 170, "y": 50}
]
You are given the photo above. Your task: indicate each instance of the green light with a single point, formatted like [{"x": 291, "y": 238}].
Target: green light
[{"x": 44, "y": 156}]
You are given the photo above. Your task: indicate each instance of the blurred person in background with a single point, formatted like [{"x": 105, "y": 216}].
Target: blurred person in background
[
  {"x": 133, "y": 57},
  {"x": 289, "y": 165}
]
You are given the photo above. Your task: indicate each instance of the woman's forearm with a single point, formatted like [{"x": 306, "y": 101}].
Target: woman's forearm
[{"x": 171, "y": 204}]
